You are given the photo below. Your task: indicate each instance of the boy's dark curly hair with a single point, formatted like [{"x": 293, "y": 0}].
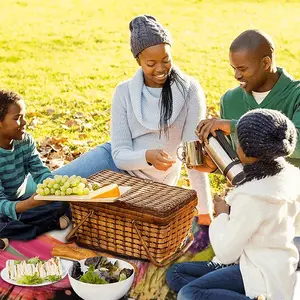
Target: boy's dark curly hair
[{"x": 7, "y": 98}]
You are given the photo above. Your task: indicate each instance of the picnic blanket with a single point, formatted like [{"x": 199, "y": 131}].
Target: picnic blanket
[{"x": 149, "y": 283}]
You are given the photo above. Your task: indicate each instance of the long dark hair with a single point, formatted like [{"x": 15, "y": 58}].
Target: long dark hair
[{"x": 166, "y": 100}]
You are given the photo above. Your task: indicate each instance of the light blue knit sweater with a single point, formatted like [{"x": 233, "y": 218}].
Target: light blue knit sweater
[{"x": 135, "y": 129}]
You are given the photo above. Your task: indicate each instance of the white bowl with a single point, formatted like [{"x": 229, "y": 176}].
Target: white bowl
[{"x": 110, "y": 291}]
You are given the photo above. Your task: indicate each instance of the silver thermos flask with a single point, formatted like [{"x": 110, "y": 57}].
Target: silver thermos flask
[{"x": 226, "y": 159}]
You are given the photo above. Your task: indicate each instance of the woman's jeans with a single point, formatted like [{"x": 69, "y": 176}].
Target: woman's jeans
[
  {"x": 206, "y": 281},
  {"x": 91, "y": 162}
]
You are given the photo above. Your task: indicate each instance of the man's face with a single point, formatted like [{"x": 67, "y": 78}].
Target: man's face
[
  {"x": 249, "y": 70},
  {"x": 14, "y": 123}
]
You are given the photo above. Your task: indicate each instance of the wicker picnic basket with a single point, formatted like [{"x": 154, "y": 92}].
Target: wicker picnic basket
[{"x": 150, "y": 221}]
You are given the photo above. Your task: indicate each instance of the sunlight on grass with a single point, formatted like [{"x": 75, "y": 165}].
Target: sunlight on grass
[{"x": 69, "y": 55}]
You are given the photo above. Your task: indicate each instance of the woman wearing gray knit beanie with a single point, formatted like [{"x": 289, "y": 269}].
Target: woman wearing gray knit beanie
[
  {"x": 152, "y": 114},
  {"x": 256, "y": 257}
]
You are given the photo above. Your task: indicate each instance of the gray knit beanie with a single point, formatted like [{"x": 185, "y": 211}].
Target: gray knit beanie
[
  {"x": 146, "y": 32},
  {"x": 266, "y": 133}
]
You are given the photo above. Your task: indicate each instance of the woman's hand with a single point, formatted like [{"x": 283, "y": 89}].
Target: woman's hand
[
  {"x": 159, "y": 159},
  {"x": 220, "y": 206}
]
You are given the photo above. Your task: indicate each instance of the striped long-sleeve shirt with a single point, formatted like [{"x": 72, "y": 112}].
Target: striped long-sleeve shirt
[{"x": 15, "y": 165}]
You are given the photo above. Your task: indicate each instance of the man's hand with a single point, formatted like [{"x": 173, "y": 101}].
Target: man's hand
[
  {"x": 220, "y": 206},
  {"x": 209, "y": 126},
  {"x": 159, "y": 159}
]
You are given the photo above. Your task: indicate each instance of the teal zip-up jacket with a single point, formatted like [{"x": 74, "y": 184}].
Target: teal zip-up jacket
[
  {"x": 15, "y": 165},
  {"x": 284, "y": 96}
]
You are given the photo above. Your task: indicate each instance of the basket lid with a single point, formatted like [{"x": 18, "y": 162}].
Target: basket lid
[{"x": 145, "y": 195}]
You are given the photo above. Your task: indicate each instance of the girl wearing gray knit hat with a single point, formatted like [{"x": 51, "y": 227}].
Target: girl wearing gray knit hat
[
  {"x": 152, "y": 114},
  {"x": 256, "y": 257}
]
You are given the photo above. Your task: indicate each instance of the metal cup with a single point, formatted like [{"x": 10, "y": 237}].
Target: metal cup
[{"x": 192, "y": 153}]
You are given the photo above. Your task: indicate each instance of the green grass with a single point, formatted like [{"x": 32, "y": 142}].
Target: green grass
[{"x": 68, "y": 55}]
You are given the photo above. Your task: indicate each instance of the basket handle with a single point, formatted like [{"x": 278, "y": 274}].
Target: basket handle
[
  {"x": 169, "y": 259},
  {"x": 73, "y": 231}
]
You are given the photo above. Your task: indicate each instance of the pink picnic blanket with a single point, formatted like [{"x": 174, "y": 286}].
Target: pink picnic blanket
[{"x": 149, "y": 282}]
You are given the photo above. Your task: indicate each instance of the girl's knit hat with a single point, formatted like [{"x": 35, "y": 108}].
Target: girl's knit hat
[
  {"x": 266, "y": 133},
  {"x": 146, "y": 32}
]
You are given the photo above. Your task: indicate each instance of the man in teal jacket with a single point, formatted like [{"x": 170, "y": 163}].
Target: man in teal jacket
[{"x": 262, "y": 85}]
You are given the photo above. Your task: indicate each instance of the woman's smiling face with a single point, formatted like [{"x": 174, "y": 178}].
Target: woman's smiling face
[{"x": 156, "y": 63}]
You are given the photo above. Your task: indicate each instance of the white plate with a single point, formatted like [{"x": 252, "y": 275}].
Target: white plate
[
  {"x": 65, "y": 267},
  {"x": 123, "y": 189}
]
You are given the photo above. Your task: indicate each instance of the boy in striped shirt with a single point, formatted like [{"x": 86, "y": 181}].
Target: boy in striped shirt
[{"x": 22, "y": 217}]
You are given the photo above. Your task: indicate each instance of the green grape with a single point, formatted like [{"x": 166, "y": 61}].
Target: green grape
[
  {"x": 81, "y": 185},
  {"x": 75, "y": 190},
  {"x": 86, "y": 191},
  {"x": 74, "y": 183},
  {"x": 52, "y": 191},
  {"x": 65, "y": 178},
  {"x": 57, "y": 193},
  {"x": 40, "y": 191},
  {"x": 67, "y": 184},
  {"x": 47, "y": 180},
  {"x": 57, "y": 178},
  {"x": 79, "y": 192},
  {"x": 84, "y": 180},
  {"x": 50, "y": 185},
  {"x": 46, "y": 191},
  {"x": 56, "y": 186},
  {"x": 62, "y": 193},
  {"x": 72, "y": 177},
  {"x": 95, "y": 186},
  {"x": 63, "y": 188},
  {"x": 69, "y": 191},
  {"x": 39, "y": 186}
]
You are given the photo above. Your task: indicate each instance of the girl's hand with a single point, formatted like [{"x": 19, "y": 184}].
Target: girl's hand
[
  {"x": 220, "y": 206},
  {"x": 159, "y": 159}
]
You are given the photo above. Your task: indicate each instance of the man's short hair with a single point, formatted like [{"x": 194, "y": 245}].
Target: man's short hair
[{"x": 253, "y": 40}]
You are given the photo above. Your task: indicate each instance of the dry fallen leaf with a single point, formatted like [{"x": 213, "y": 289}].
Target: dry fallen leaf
[
  {"x": 79, "y": 143},
  {"x": 70, "y": 123},
  {"x": 34, "y": 122},
  {"x": 83, "y": 136},
  {"x": 50, "y": 111},
  {"x": 56, "y": 163},
  {"x": 78, "y": 115},
  {"x": 87, "y": 125}
]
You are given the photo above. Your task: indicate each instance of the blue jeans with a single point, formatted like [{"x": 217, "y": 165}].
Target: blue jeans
[
  {"x": 94, "y": 161},
  {"x": 33, "y": 222},
  {"x": 206, "y": 281}
]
